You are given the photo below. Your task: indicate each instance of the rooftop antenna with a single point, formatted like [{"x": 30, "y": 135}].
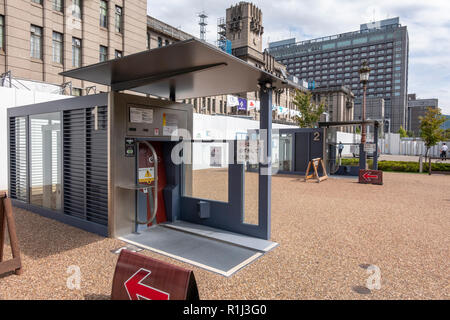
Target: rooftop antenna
[{"x": 203, "y": 22}]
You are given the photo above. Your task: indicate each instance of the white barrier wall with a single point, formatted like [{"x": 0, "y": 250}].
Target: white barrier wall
[
  {"x": 346, "y": 137},
  {"x": 9, "y": 98},
  {"x": 219, "y": 127},
  {"x": 393, "y": 144}
]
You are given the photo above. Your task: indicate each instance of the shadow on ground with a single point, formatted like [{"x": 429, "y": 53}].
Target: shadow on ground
[{"x": 42, "y": 237}]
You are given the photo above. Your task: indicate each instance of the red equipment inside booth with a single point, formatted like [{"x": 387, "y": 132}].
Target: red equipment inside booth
[{"x": 146, "y": 161}]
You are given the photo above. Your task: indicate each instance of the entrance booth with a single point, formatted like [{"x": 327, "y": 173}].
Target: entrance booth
[
  {"x": 110, "y": 163},
  {"x": 293, "y": 149},
  {"x": 371, "y": 150}
]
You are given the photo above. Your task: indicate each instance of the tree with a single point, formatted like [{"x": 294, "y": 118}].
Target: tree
[
  {"x": 309, "y": 112},
  {"x": 430, "y": 128},
  {"x": 447, "y": 134},
  {"x": 402, "y": 132}
]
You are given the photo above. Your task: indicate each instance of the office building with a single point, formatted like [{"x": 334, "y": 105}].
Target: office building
[
  {"x": 339, "y": 103},
  {"x": 335, "y": 60},
  {"x": 418, "y": 108},
  {"x": 41, "y": 38}
]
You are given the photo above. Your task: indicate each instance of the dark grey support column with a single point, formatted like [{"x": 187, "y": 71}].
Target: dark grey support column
[
  {"x": 173, "y": 93},
  {"x": 375, "y": 140},
  {"x": 265, "y": 166},
  {"x": 362, "y": 157}
]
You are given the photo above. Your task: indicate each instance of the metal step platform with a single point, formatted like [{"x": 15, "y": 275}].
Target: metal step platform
[{"x": 214, "y": 250}]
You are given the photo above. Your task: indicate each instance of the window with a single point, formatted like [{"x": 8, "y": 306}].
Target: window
[
  {"x": 37, "y": 1},
  {"x": 57, "y": 40},
  {"x": 2, "y": 32},
  {"x": 167, "y": 42},
  {"x": 329, "y": 46},
  {"x": 76, "y": 52},
  {"x": 77, "y": 92},
  {"x": 103, "y": 53},
  {"x": 160, "y": 42},
  {"x": 36, "y": 42},
  {"x": 45, "y": 148},
  {"x": 344, "y": 43},
  {"x": 148, "y": 40},
  {"x": 377, "y": 38},
  {"x": 57, "y": 5},
  {"x": 119, "y": 21},
  {"x": 118, "y": 54},
  {"x": 103, "y": 14},
  {"x": 76, "y": 8},
  {"x": 360, "y": 40}
]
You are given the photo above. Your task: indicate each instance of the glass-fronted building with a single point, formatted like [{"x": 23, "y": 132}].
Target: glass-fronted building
[{"x": 335, "y": 60}]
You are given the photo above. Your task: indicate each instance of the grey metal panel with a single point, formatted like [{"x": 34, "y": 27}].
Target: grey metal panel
[
  {"x": 100, "y": 99},
  {"x": 221, "y": 235},
  {"x": 96, "y": 166},
  {"x": 122, "y": 170},
  {"x": 74, "y": 141},
  {"x": 188, "y": 69},
  {"x": 218, "y": 256},
  {"x": 265, "y": 178},
  {"x": 18, "y": 179},
  {"x": 85, "y": 165}
]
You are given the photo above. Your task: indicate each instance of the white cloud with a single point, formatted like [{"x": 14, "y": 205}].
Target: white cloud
[{"x": 428, "y": 26}]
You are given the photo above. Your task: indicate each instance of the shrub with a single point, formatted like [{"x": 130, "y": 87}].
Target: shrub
[{"x": 400, "y": 166}]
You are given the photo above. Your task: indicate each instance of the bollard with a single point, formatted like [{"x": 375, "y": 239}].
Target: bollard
[
  {"x": 138, "y": 277},
  {"x": 421, "y": 164}
]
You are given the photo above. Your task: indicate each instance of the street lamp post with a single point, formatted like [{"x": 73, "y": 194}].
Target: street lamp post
[{"x": 364, "y": 73}]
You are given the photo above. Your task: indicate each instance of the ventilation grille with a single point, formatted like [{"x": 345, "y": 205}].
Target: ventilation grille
[
  {"x": 85, "y": 165},
  {"x": 18, "y": 159}
]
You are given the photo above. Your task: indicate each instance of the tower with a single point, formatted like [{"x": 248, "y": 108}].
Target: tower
[
  {"x": 244, "y": 26},
  {"x": 203, "y": 23}
]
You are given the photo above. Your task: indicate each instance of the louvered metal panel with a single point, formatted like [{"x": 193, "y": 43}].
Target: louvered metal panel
[
  {"x": 85, "y": 165},
  {"x": 97, "y": 166},
  {"x": 18, "y": 159}
]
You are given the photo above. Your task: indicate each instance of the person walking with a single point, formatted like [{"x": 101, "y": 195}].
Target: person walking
[
  {"x": 444, "y": 150},
  {"x": 340, "y": 148}
]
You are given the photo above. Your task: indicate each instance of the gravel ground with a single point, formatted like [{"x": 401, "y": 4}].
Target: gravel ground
[{"x": 328, "y": 234}]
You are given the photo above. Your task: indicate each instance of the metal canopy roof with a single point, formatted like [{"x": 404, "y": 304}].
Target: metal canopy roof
[
  {"x": 187, "y": 69},
  {"x": 348, "y": 123}
]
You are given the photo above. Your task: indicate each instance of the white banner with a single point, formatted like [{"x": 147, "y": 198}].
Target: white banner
[
  {"x": 253, "y": 104},
  {"x": 232, "y": 101}
]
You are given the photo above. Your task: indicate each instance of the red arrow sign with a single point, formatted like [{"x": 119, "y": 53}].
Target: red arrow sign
[
  {"x": 367, "y": 176},
  {"x": 137, "y": 290}
]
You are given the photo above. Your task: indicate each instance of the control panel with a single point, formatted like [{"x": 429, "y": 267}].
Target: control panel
[{"x": 145, "y": 121}]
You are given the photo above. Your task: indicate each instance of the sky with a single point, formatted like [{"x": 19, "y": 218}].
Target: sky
[{"x": 428, "y": 25}]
